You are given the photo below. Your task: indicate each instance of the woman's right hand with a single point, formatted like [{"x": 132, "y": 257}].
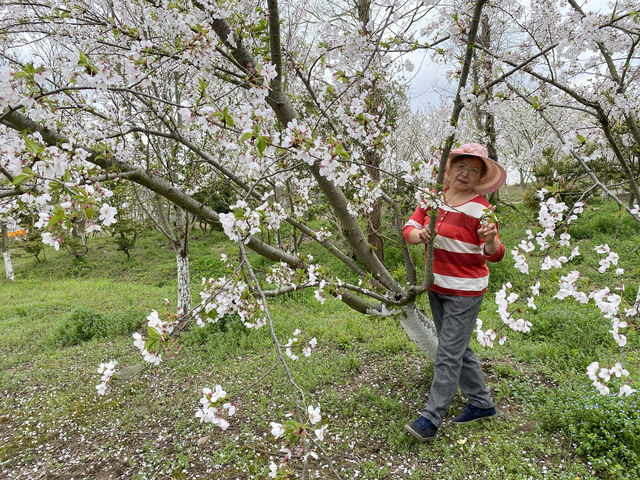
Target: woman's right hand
[{"x": 422, "y": 235}]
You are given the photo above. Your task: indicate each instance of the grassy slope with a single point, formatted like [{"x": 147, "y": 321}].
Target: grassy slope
[{"x": 367, "y": 377}]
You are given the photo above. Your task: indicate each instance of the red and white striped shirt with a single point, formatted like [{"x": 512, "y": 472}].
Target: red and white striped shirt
[{"x": 459, "y": 261}]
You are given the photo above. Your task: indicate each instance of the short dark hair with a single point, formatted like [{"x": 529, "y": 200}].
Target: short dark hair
[{"x": 483, "y": 169}]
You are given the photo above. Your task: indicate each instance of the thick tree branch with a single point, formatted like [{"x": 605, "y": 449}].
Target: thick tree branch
[
  {"x": 285, "y": 112},
  {"x": 152, "y": 182}
]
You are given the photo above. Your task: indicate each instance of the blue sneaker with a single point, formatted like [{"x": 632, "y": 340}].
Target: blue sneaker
[
  {"x": 473, "y": 413},
  {"x": 421, "y": 429}
]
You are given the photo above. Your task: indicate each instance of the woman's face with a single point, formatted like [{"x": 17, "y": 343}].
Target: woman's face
[{"x": 465, "y": 174}]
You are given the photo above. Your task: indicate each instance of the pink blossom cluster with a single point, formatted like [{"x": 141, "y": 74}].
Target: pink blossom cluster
[
  {"x": 148, "y": 356},
  {"x": 568, "y": 288},
  {"x": 609, "y": 304},
  {"x": 600, "y": 376},
  {"x": 213, "y": 407},
  {"x": 226, "y": 296},
  {"x": 504, "y": 301},
  {"x": 299, "y": 344},
  {"x": 107, "y": 370},
  {"x": 243, "y": 220},
  {"x": 611, "y": 259},
  {"x": 487, "y": 337},
  {"x": 158, "y": 332},
  {"x": 294, "y": 437},
  {"x": 550, "y": 217},
  {"x": 282, "y": 275}
]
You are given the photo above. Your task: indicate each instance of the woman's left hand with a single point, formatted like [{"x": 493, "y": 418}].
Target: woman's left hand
[{"x": 488, "y": 232}]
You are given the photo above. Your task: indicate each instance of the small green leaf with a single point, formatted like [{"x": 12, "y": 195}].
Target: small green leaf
[
  {"x": 152, "y": 344},
  {"x": 342, "y": 152},
  {"x": 228, "y": 119},
  {"x": 153, "y": 333},
  {"x": 128, "y": 372},
  {"x": 20, "y": 179},
  {"x": 32, "y": 146},
  {"x": 261, "y": 144}
]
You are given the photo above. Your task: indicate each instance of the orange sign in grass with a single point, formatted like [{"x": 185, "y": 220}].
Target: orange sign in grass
[{"x": 17, "y": 233}]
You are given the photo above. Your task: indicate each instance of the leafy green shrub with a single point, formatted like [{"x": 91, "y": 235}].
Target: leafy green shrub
[
  {"x": 531, "y": 199},
  {"x": 604, "y": 428},
  {"x": 125, "y": 323},
  {"x": 84, "y": 324},
  {"x": 603, "y": 219},
  {"x": 32, "y": 244},
  {"x": 581, "y": 231}
]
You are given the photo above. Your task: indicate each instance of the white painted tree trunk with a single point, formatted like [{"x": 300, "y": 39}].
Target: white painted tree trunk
[
  {"x": 8, "y": 268},
  {"x": 181, "y": 246},
  {"x": 420, "y": 329},
  {"x": 184, "y": 284},
  {"x": 4, "y": 244}
]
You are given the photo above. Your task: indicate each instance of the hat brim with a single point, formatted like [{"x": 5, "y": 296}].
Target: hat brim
[{"x": 492, "y": 180}]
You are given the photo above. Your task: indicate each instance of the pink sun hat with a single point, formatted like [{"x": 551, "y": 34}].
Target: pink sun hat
[{"x": 495, "y": 175}]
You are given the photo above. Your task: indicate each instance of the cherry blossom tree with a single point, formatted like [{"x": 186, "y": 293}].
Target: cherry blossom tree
[
  {"x": 234, "y": 115},
  {"x": 580, "y": 60},
  {"x": 273, "y": 99}
]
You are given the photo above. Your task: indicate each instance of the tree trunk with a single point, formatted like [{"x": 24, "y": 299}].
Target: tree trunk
[
  {"x": 181, "y": 247},
  {"x": 184, "y": 283},
  {"x": 4, "y": 240},
  {"x": 420, "y": 329},
  {"x": 374, "y": 230}
]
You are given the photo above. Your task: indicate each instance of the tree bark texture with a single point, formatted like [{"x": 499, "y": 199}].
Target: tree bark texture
[
  {"x": 420, "y": 329},
  {"x": 372, "y": 158},
  {"x": 184, "y": 284},
  {"x": 4, "y": 240},
  {"x": 181, "y": 247}
]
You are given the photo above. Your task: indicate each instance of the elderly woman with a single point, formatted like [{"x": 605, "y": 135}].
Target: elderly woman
[{"x": 464, "y": 244}]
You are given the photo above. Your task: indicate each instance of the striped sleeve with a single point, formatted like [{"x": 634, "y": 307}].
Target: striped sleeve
[
  {"x": 499, "y": 255},
  {"x": 417, "y": 220}
]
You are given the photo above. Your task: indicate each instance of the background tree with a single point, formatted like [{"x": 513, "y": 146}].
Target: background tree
[{"x": 4, "y": 246}]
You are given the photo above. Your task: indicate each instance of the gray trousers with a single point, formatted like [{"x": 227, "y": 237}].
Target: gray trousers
[{"x": 455, "y": 364}]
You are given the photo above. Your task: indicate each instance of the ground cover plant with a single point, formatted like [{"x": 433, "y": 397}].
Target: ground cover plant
[{"x": 364, "y": 373}]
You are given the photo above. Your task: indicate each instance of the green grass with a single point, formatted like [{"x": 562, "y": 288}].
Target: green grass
[{"x": 62, "y": 317}]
